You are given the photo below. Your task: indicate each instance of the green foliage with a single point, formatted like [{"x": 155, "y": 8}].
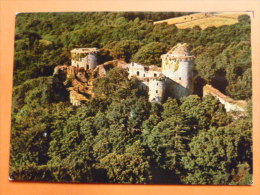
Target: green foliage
[
  {"x": 167, "y": 141},
  {"x": 124, "y": 49},
  {"x": 242, "y": 175},
  {"x": 236, "y": 61},
  {"x": 32, "y": 172},
  {"x": 116, "y": 85},
  {"x": 210, "y": 148},
  {"x": 130, "y": 167},
  {"x": 244, "y": 19},
  {"x": 203, "y": 113},
  {"x": 150, "y": 53}
]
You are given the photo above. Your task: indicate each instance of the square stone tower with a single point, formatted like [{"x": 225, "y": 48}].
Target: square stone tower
[{"x": 84, "y": 58}]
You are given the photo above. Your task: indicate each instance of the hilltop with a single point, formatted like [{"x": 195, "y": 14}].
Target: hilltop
[{"x": 204, "y": 20}]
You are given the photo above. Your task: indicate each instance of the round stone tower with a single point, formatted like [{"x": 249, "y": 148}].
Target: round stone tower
[
  {"x": 156, "y": 89},
  {"x": 92, "y": 60},
  {"x": 177, "y": 66},
  {"x": 84, "y": 58}
]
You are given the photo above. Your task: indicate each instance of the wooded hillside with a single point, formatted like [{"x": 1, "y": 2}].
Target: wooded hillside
[{"x": 120, "y": 137}]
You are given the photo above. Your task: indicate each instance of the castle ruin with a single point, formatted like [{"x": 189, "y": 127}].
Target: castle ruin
[
  {"x": 84, "y": 58},
  {"x": 229, "y": 103},
  {"x": 174, "y": 78}
]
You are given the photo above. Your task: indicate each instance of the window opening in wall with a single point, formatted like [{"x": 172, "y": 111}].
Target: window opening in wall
[
  {"x": 156, "y": 91},
  {"x": 137, "y": 73},
  {"x": 155, "y": 75},
  {"x": 157, "y": 84},
  {"x": 144, "y": 75},
  {"x": 179, "y": 78},
  {"x": 87, "y": 66}
]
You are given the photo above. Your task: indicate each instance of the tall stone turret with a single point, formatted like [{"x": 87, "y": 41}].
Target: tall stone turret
[
  {"x": 156, "y": 89},
  {"x": 177, "y": 66},
  {"x": 84, "y": 58}
]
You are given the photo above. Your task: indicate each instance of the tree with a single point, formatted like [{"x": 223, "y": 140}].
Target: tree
[
  {"x": 116, "y": 85},
  {"x": 168, "y": 141},
  {"x": 130, "y": 167},
  {"x": 150, "y": 54},
  {"x": 213, "y": 153},
  {"x": 245, "y": 19},
  {"x": 170, "y": 108},
  {"x": 71, "y": 152},
  {"x": 236, "y": 62},
  {"x": 124, "y": 49},
  {"x": 204, "y": 113}
]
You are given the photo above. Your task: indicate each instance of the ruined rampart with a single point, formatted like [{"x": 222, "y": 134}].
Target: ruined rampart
[{"x": 229, "y": 103}]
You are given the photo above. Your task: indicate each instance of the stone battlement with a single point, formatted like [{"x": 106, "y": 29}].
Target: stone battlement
[
  {"x": 180, "y": 58},
  {"x": 85, "y": 50},
  {"x": 180, "y": 52}
]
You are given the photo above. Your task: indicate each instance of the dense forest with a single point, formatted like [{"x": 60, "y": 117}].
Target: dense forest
[{"x": 120, "y": 137}]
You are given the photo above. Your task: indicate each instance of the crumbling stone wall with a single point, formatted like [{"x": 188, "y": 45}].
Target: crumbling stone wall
[
  {"x": 229, "y": 103},
  {"x": 151, "y": 78}
]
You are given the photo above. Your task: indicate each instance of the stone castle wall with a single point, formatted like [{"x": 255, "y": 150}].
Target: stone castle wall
[
  {"x": 142, "y": 72},
  {"x": 151, "y": 80},
  {"x": 229, "y": 103}
]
